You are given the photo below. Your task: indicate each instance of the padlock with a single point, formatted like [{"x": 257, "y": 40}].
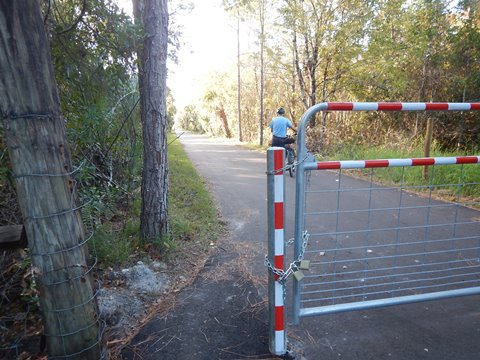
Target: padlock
[
  {"x": 304, "y": 265},
  {"x": 298, "y": 274}
]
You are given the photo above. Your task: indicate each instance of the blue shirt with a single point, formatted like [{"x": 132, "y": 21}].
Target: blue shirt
[{"x": 279, "y": 126}]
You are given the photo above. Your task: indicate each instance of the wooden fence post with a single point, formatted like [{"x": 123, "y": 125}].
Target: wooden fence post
[{"x": 41, "y": 163}]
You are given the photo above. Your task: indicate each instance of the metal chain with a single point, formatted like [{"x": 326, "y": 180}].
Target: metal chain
[
  {"x": 305, "y": 237},
  {"x": 273, "y": 269},
  {"x": 286, "y": 167},
  {"x": 283, "y": 275}
]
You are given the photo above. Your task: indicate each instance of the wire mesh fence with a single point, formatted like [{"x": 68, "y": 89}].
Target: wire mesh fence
[{"x": 369, "y": 241}]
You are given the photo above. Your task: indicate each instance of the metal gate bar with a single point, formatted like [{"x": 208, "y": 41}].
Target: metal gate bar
[{"x": 360, "y": 261}]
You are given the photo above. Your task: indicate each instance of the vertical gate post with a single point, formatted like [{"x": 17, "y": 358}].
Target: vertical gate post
[
  {"x": 276, "y": 249},
  {"x": 302, "y": 153}
]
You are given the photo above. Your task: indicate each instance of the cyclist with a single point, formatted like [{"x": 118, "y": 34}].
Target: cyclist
[{"x": 279, "y": 126}]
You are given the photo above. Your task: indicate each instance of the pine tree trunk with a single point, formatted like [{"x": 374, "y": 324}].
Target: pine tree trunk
[
  {"x": 41, "y": 163},
  {"x": 262, "y": 67},
  {"x": 223, "y": 117},
  {"x": 239, "y": 83},
  {"x": 153, "y": 15}
]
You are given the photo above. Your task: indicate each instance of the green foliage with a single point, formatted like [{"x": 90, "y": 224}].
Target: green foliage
[
  {"x": 93, "y": 51},
  {"x": 190, "y": 119},
  {"x": 355, "y": 50},
  {"x": 171, "y": 110},
  {"x": 93, "y": 58}
]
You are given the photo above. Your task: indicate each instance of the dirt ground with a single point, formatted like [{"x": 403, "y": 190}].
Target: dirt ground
[
  {"x": 220, "y": 316},
  {"x": 128, "y": 297}
]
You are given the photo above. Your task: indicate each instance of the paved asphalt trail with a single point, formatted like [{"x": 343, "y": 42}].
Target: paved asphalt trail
[{"x": 223, "y": 314}]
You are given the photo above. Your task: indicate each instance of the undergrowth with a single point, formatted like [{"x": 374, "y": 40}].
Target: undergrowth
[{"x": 191, "y": 211}]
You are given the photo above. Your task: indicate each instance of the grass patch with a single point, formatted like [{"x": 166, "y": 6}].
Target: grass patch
[
  {"x": 192, "y": 211},
  {"x": 112, "y": 247},
  {"x": 193, "y": 218}
]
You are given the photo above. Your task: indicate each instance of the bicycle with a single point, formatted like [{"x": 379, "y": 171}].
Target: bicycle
[
  {"x": 287, "y": 143},
  {"x": 290, "y": 156}
]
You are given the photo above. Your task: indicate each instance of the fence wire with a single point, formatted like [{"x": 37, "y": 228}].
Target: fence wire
[
  {"x": 370, "y": 242},
  {"x": 16, "y": 330}
]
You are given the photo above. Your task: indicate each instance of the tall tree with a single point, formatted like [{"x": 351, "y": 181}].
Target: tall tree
[
  {"x": 304, "y": 21},
  {"x": 463, "y": 130},
  {"x": 257, "y": 10},
  {"x": 239, "y": 81},
  {"x": 152, "y": 15},
  {"x": 261, "y": 18},
  {"x": 236, "y": 7},
  {"x": 326, "y": 38},
  {"x": 40, "y": 157}
]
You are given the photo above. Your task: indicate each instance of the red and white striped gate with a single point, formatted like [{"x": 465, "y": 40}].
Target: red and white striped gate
[{"x": 370, "y": 245}]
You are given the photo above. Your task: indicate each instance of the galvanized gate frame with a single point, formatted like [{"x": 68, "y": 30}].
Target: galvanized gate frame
[{"x": 276, "y": 215}]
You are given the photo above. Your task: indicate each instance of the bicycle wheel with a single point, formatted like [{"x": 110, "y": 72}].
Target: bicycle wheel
[{"x": 291, "y": 161}]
